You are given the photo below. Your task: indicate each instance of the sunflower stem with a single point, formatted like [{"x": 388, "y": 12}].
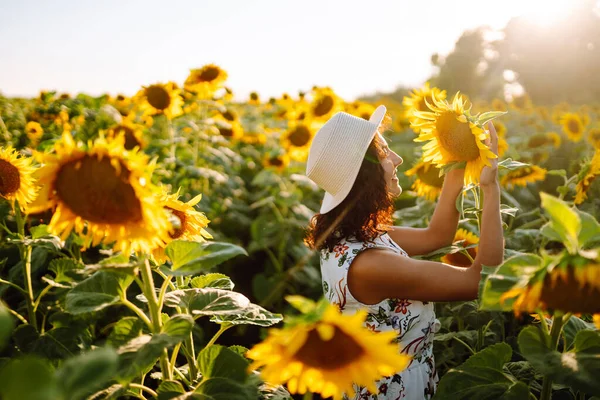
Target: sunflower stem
[
  {"x": 143, "y": 388},
  {"x": 190, "y": 352},
  {"x": 557, "y": 325},
  {"x": 19, "y": 288},
  {"x": 30, "y": 299},
  {"x": 222, "y": 329},
  {"x": 155, "y": 318}
]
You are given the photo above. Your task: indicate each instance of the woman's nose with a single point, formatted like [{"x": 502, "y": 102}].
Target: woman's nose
[{"x": 399, "y": 160}]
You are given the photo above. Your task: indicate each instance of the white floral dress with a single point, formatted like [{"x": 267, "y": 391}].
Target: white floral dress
[{"x": 413, "y": 321}]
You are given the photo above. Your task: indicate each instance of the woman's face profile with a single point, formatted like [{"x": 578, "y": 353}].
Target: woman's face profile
[{"x": 390, "y": 161}]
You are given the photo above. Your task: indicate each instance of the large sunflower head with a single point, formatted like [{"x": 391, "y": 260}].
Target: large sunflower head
[
  {"x": 429, "y": 182},
  {"x": 416, "y": 101},
  {"x": 189, "y": 224},
  {"x": 454, "y": 136},
  {"x": 17, "y": 180},
  {"x": 523, "y": 176},
  {"x": 572, "y": 126},
  {"x": 565, "y": 282},
  {"x": 586, "y": 176},
  {"x": 297, "y": 139},
  {"x": 34, "y": 132},
  {"x": 327, "y": 356},
  {"x": 206, "y": 80},
  {"x": 160, "y": 99},
  {"x": 459, "y": 259},
  {"x": 104, "y": 193},
  {"x": 325, "y": 103}
]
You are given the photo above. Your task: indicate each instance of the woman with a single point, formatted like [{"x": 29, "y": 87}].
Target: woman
[{"x": 365, "y": 261}]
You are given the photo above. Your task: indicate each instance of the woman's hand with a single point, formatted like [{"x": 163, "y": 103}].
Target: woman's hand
[{"x": 489, "y": 175}]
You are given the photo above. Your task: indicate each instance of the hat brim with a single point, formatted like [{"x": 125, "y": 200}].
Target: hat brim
[{"x": 330, "y": 201}]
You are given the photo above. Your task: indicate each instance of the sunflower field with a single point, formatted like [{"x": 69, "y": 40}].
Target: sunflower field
[{"x": 152, "y": 246}]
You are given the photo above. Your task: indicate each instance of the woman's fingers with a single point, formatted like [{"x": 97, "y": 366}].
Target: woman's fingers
[{"x": 493, "y": 138}]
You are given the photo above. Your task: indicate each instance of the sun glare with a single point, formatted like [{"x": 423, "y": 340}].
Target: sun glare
[{"x": 546, "y": 13}]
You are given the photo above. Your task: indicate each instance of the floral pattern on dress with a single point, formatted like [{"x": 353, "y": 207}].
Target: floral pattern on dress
[{"x": 413, "y": 321}]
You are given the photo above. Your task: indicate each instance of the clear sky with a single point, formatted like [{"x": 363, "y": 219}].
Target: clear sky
[{"x": 271, "y": 46}]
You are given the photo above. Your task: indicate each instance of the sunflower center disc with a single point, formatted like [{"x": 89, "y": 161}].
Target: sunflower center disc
[
  {"x": 300, "y": 136},
  {"x": 573, "y": 126},
  {"x": 158, "y": 97},
  {"x": 338, "y": 352},
  {"x": 276, "y": 162},
  {"x": 10, "y": 180},
  {"x": 521, "y": 173},
  {"x": 456, "y": 137},
  {"x": 94, "y": 191},
  {"x": 130, "y": 139},
  {"x": 182, "y": 218},
  {"x": 227, "y": 132},
  {"x": 323, "y": 106},
  {"x": 458, "y": 259},
  {"x": 228, "y": 116},
  {"x": 579, "y": 298},
  {"x": 430, "y": 176},
  {"x": 209, "y": 74}
]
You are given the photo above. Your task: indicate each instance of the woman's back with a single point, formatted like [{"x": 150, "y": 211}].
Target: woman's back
[{"x": 413, "y": 321}]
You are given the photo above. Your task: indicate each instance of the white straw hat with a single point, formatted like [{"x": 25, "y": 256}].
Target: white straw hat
[{"x": 336, "y": 154}]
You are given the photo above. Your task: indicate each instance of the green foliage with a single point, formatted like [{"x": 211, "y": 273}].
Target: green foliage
[
  {"x": 190, "y": 258},
  {"x": 482, "y": 377},
  {"x": 578, "y": 368}
]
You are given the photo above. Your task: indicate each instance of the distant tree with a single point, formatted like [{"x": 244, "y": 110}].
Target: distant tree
[
  {"x": 471, "y": 67},
  {"x": 555, "y": 63}
]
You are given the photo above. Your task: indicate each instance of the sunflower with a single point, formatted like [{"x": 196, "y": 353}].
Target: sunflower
[
  {"x": 131, "y": 132},
  {"x": 428, "y": 183},
  {"x": 499, "y": 105},
  {"x": 191, "y": 223},
  {"x": 253, "y": 98},
  {"x": 555, "y": 139},
  {"x": 122, "y": 103},
  {"x": 206, "y": 80},
  {"x": 276, "y": 160},
  {"x": 459, "y": 259},
  {"x": 416, "y": 102},
  {"x": 17, "y": 181},
  {"x": 566, "y": 282},
  {"x": 522, "y": 103},
  {"x": 34, "y": 132},
  {"x": 362, "y": 110},
  {"x": 572, "y": 126},
  {"x": 327, "y": 356},
  {"x": 593, "y": 137},
  {"x": 452, "y": 137},
  {"x": 296, "y": 140},
  {"x": 104, "y": 193},
  {"x": 230, "y": 130},
  {"x": 160, "y": 99},
  {"x": 523, "y": 176},
  {"x": 325, "y": 103},
  {"x": 586, "y": 176}
]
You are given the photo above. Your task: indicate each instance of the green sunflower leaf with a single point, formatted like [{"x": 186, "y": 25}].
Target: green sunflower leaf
[
  {"x": 190, "y": 258},
  {"x": 482, "y": 377},
  {"x": 564, "y": 221}
]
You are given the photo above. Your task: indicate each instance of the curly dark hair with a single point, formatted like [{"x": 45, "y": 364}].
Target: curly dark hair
[{"x": 364, "y": 214}]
